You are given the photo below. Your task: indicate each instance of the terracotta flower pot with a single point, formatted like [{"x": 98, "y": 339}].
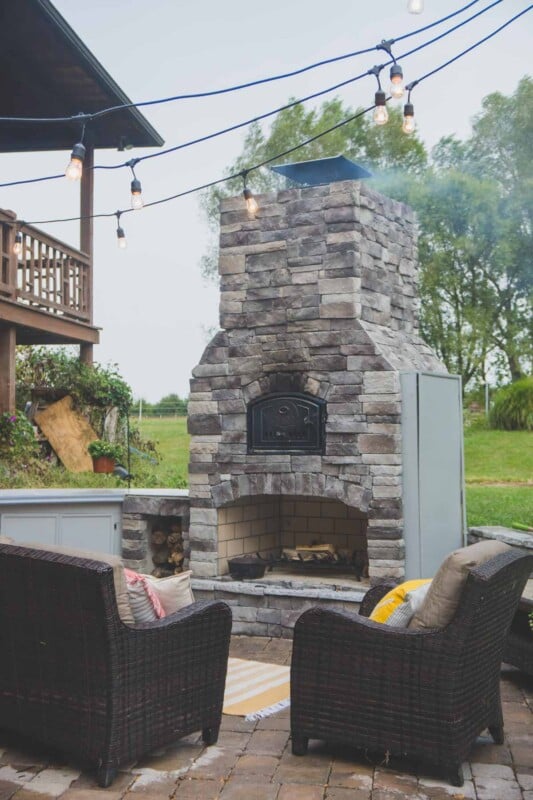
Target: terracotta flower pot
[{"x": 103, "y": 464}]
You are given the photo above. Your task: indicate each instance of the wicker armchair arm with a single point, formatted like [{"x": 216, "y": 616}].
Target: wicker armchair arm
[
  {"x": 358, "y": 641},
  {"x": 372, "y": 598},
  {"x": 199, "y": 632}
]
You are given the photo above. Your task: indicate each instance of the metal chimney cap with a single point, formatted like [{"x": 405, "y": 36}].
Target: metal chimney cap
[{"x": 322, "y": 170}]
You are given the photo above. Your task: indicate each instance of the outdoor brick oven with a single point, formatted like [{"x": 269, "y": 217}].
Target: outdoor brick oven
[{"x": 295, "y": 410}]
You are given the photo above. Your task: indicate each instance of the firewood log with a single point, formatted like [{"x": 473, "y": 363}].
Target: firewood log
[
  {"x": 176, "y": 558},
  {"x": 160, "y": 556},
  {"x": 158, "y": 537},
  {"x": 174, "y": 539}
]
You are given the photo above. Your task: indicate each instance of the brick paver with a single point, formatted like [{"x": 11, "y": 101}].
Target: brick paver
[{"x": 253, "y": 761}]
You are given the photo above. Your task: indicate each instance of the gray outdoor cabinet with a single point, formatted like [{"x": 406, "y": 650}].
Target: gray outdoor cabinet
[
  {"x": 85, "y": 519},
  {"x": 433, "y": 473}
]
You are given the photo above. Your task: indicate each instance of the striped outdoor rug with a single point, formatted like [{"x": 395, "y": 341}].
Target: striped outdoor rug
[{"x": 255, "y": 690}]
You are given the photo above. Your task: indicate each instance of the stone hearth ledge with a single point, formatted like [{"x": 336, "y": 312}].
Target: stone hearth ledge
[{"x": 266, "y": 610}]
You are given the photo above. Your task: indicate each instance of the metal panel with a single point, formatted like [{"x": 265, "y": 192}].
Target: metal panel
[
  {"x": 34, "y": 527},
  {"x": 94, "y": 531},
  {"x": 411, "y": 516},
  {"x": 440, "y": 458},
  {"x": 433, "y": 464},
  {"x": 91, "y": 526}
]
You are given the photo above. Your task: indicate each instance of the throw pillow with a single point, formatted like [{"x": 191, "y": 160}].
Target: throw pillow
[
  {"x": 404, "y": 613},
  {"x": 393, "y": 599},
  {"x": 443, "y": 597},
  {"x": 173, "y": 592},
  {"x": 144, "y": 602}
]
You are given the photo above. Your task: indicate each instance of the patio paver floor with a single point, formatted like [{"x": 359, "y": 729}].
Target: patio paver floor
[{"x": 253, "y": 761}]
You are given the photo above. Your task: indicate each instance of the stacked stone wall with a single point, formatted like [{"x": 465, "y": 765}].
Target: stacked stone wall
[{"x": 298, "y": 285}]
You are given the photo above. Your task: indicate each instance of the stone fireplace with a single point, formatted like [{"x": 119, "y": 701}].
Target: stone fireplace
[{"x": 295, "y": 411}]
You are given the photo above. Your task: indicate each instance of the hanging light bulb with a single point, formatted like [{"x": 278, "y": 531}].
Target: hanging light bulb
[
  {"x": 136, "y": 194},
  {"x": 252, "y": 205},
  {"x": 75, "y": 166},
  {"x": 121, "y": 236},
  {"x": 17, "y": 245},
  {"x": 396, "y": 81},
  {"x": 415, "y": 6},
  {"x": 381, "y": 115},
  {"x": 408, "y": 124}
]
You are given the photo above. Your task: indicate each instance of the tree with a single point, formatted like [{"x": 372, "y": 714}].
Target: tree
[
  {"x": 501, "y": 150},
  {"x": 460, "y": 230}
]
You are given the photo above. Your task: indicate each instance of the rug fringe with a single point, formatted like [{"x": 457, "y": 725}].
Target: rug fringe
[{"x": 268, "y": 711}]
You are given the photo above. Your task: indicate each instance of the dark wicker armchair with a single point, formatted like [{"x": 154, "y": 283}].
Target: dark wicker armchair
[
  {"x": 422, "y": 694},
  {"x": 75, "y": 678}
]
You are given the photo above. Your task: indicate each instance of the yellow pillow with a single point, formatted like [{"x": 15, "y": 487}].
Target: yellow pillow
[{"x": 394, "y": 598}]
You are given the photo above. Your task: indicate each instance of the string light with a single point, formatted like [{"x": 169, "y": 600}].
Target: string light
[
  {"x": 380, "y": 115},
  {"x": 121, "y": 236},
  {"x": 136, "y": 188},
  {"x": 396, "y": 81},
  {"x": 252, "y": 206},
  {"x": 415, "y": 6},
  {"x": 396, "y": 72},
  {"x": 409, "y": 125},
  {"x": 122, "y": 142},
  {"x": 75, "y": 166},
  {"x": 17, "y": 245},
  {"x": 380, "y": 101},
  {"x": 268, "y": 114}
]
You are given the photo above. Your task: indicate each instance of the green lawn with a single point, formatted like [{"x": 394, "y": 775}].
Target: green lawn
[
  {"x": 498, "y": 456},
  {"x": 172, "y": 441},
  {"x": 499, "y": 505}
]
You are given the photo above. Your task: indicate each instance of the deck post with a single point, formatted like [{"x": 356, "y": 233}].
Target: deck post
[
  {"x": 86, "y": 235},
  {"x": 8, "y": 343}
]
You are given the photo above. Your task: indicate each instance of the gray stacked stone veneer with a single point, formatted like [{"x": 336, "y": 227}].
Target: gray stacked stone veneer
[
  {"x": 318, "y": 296},
  {"x": 139, "y": 513},
  {"x": 271, "y": 610}
]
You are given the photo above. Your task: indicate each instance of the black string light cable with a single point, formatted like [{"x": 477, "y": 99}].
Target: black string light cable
[
  {"x": 264, "y": 163},
  {"x": 238, "y": 87},
  {"x": 384, "y": 45}
]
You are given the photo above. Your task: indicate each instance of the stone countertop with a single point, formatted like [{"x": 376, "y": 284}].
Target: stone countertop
[
  {"x": 521, "y": 539},
  {"x": 508, "y": 535}
]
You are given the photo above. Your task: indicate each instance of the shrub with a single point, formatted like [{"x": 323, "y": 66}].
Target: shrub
[
  {"x": 17, "y": 439},
  {"x": 91, "y": 385},
  {"x": 512, "y": 408}
]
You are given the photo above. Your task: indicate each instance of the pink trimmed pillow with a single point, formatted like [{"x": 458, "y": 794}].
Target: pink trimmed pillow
[{"x": 144, "y": 602}]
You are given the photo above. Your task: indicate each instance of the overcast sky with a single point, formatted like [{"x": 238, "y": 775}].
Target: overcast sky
[{"x": 154, "y": 309}]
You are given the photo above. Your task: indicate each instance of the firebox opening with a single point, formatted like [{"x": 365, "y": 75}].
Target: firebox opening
[{"x": 293, "y": 533}]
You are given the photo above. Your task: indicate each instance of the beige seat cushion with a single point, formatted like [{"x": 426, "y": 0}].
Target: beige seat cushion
[
  {"x": 444, "y": 593},
  {"x": 121, "y": 590}
]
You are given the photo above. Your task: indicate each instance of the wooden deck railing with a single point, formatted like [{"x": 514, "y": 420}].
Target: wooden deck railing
[{"x": 47, "y": 275}]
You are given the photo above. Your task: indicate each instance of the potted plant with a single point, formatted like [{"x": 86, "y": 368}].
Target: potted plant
[{"x": 104, "y": 454}]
